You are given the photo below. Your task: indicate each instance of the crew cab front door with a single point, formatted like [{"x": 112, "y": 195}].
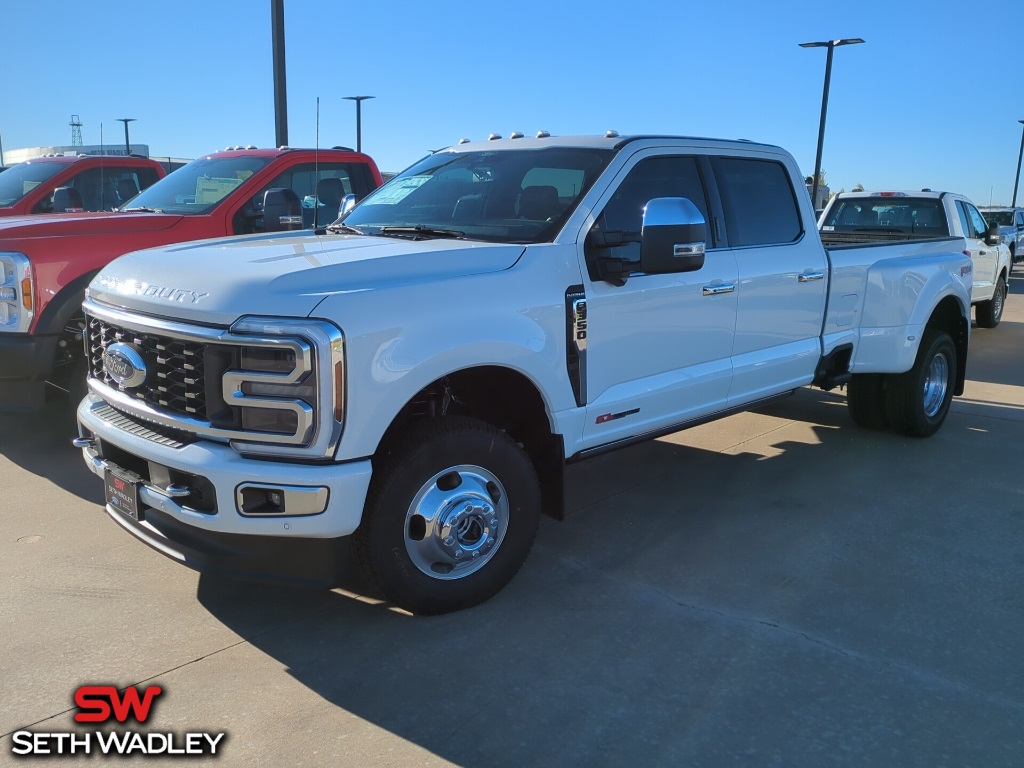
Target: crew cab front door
[
  {"x": 984, "y": 256},
  {"x": 658, "y": 347}
]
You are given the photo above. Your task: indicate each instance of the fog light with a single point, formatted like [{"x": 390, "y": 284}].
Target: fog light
[{"x": 254, "y": 500}]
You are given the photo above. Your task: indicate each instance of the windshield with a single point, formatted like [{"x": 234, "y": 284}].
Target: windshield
[
  {"x": 17, "y": 181},
  {"x": 197, "y": 187},
  {"x": 1002, "y": 218},
  {"x": 908, "y": 215},
  {"x": 502, "y": 196}
]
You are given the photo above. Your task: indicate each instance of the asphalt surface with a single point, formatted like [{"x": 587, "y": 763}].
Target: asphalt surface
[{"x": 776, "y": 588}]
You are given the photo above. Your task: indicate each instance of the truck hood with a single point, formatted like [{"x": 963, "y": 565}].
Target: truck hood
[
  {"x": 282, "y": 274},
  {"x": 72, "y": 224}
]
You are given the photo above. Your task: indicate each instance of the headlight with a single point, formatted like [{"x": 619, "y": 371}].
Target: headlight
[
  {"x": 17, "y": 292},
  {"x": 275, "y": 390},
  {"x": 293, "y": 386}
]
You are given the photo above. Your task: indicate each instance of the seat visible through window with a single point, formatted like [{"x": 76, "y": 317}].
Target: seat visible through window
[
  {"x": 127, "y": 189},
  {"x": 539, "y": 202},
  {"x": 329, "y": 193}
]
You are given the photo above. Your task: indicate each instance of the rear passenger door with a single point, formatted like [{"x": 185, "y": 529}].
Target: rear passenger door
[{"x": 783, "y": 279}]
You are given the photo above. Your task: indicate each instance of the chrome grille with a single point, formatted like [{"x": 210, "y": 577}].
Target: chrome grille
[{"x": 176, "y": 378}]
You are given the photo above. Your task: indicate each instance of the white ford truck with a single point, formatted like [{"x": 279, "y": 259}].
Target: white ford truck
[
  {"x": 414, "y": 378},
  {"x": 886, "y": 217}
]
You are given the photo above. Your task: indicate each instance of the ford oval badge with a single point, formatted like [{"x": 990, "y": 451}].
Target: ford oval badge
[{"x": 123, "y": 363}]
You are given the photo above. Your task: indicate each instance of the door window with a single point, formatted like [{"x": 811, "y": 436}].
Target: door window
[
  {"x": 624, "y": 213},
  {"x": 760, "y": 206},
  {"x": 303, "y": 179},
  {"x": 978, "y": 224},
  {"x": 965, "y": 221}
]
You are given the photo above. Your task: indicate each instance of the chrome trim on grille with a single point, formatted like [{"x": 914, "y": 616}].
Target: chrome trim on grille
[{"x": 318, "y": 347}]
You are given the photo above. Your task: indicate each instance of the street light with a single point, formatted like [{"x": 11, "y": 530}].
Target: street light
[
  {"x": 127, "y": 145},
  {"x": 831, "y": 45},
  {"x": 359, "y": 118},
  {"x": 1016, "y": 179}
]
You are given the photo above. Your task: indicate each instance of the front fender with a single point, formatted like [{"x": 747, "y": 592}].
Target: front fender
[{"x": 399, "y": 340}]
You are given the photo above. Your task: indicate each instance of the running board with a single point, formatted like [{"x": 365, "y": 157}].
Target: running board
[{"x": 625, "y": 442}]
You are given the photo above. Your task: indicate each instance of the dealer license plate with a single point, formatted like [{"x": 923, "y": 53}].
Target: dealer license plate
[{"x": 122, "y": 491}]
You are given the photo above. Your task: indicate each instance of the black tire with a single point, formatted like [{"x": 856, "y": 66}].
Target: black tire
[
  {"x": 69, "y": 364},
  {"x": 483, "y": 500},
  {"x": 989, "y": 313},
  {"x": 917, "y": 401},
  {"x": 865, "y": 397}
]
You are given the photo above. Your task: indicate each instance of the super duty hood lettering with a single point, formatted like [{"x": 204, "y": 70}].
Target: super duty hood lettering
[{"x": 134, "y": 288}]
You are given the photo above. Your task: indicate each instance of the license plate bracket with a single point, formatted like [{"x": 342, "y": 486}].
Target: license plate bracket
[{"x": 121, "y": 488}]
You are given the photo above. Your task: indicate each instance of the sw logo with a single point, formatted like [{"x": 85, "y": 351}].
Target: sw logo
[
  {"x": 109, "y": 704},
  {"x": 98, "y": 703}
]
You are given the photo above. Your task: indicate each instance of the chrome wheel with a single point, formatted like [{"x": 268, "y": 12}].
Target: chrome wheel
[
  {"x": 998, "y": 300},
  {"x": 936, "y": 381},
  {"x": 456, "y": 522}
]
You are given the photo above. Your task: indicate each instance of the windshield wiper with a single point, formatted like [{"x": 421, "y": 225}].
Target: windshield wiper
[
  {"x": 418, "y": 232},
  {"x": 342, "y": 228},
  {"x": 141, "y": 209}
]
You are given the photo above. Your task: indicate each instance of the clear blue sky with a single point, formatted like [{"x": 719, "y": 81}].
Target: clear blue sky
[{"x": 931, "y": 100}]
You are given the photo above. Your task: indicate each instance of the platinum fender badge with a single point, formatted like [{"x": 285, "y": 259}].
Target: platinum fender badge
[{"x": 123, "y": 363}]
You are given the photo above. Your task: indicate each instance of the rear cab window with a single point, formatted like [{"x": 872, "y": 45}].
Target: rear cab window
[{"x": 897, "y": 214}]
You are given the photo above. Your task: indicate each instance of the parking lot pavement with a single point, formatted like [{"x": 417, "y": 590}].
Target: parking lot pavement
[{"x": 776, "y": 588}]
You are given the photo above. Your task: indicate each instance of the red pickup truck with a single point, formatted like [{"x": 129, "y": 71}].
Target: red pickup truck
[
  {"x": 47, "y": 261},
  {"x": 91, "y": 183}
]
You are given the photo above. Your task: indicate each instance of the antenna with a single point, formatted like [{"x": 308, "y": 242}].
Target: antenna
[
  {"x": 102, "y": 152},
  {"x": 76, "y": 131}
]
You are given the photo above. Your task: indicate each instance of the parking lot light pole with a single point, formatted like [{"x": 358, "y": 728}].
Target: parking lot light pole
[
  {"x": 831, "y": 45},
  {"x": 127, "y": 144},
  {"x": 359, "y": 118},
  {"x": 1016, "y": 179}
]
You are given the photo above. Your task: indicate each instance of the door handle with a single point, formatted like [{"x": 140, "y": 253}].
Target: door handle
[
  {"x": 714, "y": 290},
  {"x": 807, "y": 277}
]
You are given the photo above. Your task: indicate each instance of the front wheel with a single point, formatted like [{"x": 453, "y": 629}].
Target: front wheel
[
  {"x": 990, "y": 312},
  {"x": 917, "y": 401},
  {"x": 451, "y": 515}
]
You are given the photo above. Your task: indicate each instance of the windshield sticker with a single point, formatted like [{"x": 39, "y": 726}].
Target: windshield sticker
[
  {"x": 398, "y": 190},
  {"x": 212, "y": 190},
  {"x": 28, "y": 186}
]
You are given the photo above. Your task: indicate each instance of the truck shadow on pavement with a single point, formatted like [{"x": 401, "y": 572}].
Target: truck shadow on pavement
[
  {"x": 41, "y": 444},
  {"x": 685, "y": 612}
]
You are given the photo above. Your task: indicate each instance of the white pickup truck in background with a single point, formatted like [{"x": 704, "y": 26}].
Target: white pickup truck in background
[
  {"x": 414, "y": 378},
  {"x": 886, "y": 217},
  {"x": 1011, "y": 226}
]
